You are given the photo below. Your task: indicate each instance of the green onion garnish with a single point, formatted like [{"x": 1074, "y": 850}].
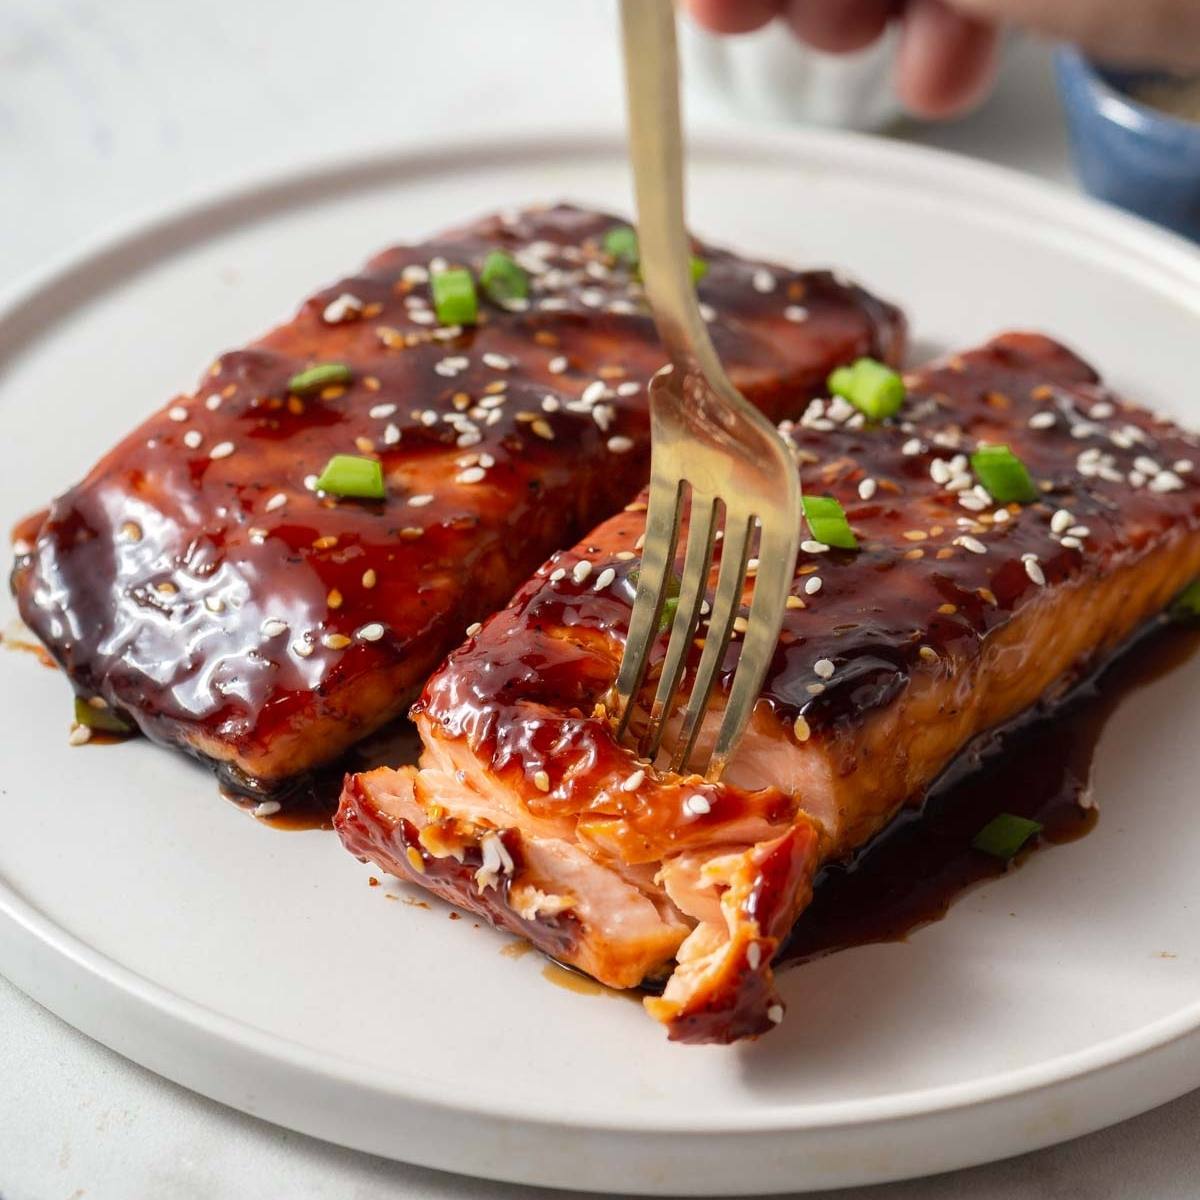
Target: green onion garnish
[
  {"x": 323, "y": 375},
  {"x": 667, "y": 617},
  {"x": 872, "y": 387},
  {"x": 827, "y": 522},
  {"x": 503, "y": 278},
  {"x": 1187, "y": 604},
  {"x": 454, "y": 298},
  {"x": 1004, "y": 835},
  {"x": 103, "y": 719},
  {"x": 699, "y": 269},
  {"x": 1003, "y": 474},
  {"x": 621, "y": 243},
  {"x": 349, "y": 475}
]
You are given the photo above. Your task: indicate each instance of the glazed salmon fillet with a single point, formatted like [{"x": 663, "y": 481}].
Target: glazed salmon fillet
[
  {"x": 199, "y": 585},
  {"x": 954, "y": 615}
]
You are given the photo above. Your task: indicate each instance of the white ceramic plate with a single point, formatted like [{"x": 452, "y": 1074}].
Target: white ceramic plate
[{"x": 259, "y": 968}]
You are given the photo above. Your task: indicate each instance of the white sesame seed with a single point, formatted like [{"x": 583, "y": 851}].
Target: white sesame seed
[
  {"x": 1071, "y": 543},
  {"x": 620, "y": 444},
  {"x": 437, "y": 264},
  {"x": 1035, "y": 572},
  {"x": 796, "y": 312},
  {"x": 550, "y": 404},
  {"x": 273, "y": 627},
  {"x": 707, "y": 312},
  {"x": 420, "y": 500},
  {"x": 754, "y": 956},
  {"x": 471, "y": 475},
  {"x": 1061, "y": 520},
  {"x": 1166, "y": 481},
  {"x": 421, "y": 316},
  {"x": 1001, "y": 515},
  {"x": 823, "y": 668},
  {"x": 775, "y": 1014},
  {"x": 552, "y": 303},
  {"x": 221, "y": 450},
  {"x": 939, "y": 471},
  {"x": 1136, "y": 479},
  {"x": 498, "y": 362},
  {"x": 634, "y": 781},
  {"x": 557, "y": 365},
  {"x": 277, "y": 501},
  {"x": 340, "y": 309},
  {"x": 302, "y": 648},
  {"x": 813, "y": 547},
  {"x": 177, "y": 413},
  {"x": 557, "y": 574},
  {"x": 969, "y": 543},
  {"x": 911, "y": 447},
  {"x": 582, "y": 569},
  {"x": 428, "y": 418},
  {"x": 193, "y": 438},
  {"x": 1183, "y": 466},
  {"x": 214, "y": 402},
  {"x": 594, "y": 391},
  {"x": 370, "y": 633},
  {"x": 1079, "y": 531},
  {"x": 474, "y": 628},
  {"x": 379, "y": 411},
  {"x": 1101, "y": 411},
  {"x": 628, "y": 388},
  {"x": 866, "y": 489},
  {"x": 697, "y": 805},
  {"x": 973, "y": 503},
  {"x": 415, "y": 273},
  {"x": 1146, "y": 465},
  {"x": 763, "y": 281},
  {"x": 812, "y": 585},
  {"x": 1042, "y": 420},
  {"x": 604, "y": 579},
  {"x": 391, "y": 435},
  {"x": 541, "y": 781}
]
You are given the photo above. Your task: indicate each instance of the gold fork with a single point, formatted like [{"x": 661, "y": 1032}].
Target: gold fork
[{"x": 711, "y": 451}]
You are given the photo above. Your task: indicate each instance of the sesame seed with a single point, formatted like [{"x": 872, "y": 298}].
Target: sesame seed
[
  {"x": 80, "y": 735},
  {"x": 763, "y": 281},
  {"x": 928, "y": 654},
  {"x": 866, "y": 489},
  {"x": 221, "y": 450},
  {"x": 707, "y": 312},
  {"x": 341, "y": 309},
  {"x": 1071, "y": 543},
  {"x": 801, "y": 730},
  {"x": 634, "y": 781},
  {"x": 193, "y": 438},
  {"x": 583, "y": 568},
  {"x": 177, "y": 413},
  {"x": 915, "y": 535},
  {"x": 471, "y": 475},
  {"x": 1042, "y": 420},
  {"x": 629, "y": 388},
  {"x": 370, "y": 633},
  {"x": 1183, "y": 466},
  {"x": 1146, "y": 465},
  {"x": 811, "y": 547},
  {"x": 557, "y": 365},
  {"x": 740, "y": 624},
  {"x": 557, "y": 574},
  {"x": 911, "y": 447},
  {"x": 369, "y": 577},
  {"x": 420, "y": 500},
  {"x": 473, "y": 628},
  {"x": 380, "y": 411},
  {"x": 823, "y": 668},
  {"x": 326, "y": 542},
  {"x": 421, "y": 316},
  {"x": 130, "y": 529},
  {"x": 498, "y": 362},
  {"x": 794, "y": 602},
  {"x": 1166, "y": 481},
  {"x": 266, "y": 808},
  {"x": 1001, "y": 515},
  {"x": 550, "y": 404},
  {"x": 335, "y": 641},
  {"x": 697, "y": 805},
  {"x": 1079, "y": 531},
  {"x": 619, "y": 444},
  {"x": 796, "y": 312},
  {"x": 277, "y": 501},
  {"x": 604, "y": 579},
  {"x": 415, "y": 273},
  {"x": 1060, "y": 521},
  {"x": 541, "y": 781},
  {"x": 302, "y": 648},
  {"x": 969, "y": 543},
  {"x": 334, "y": 598},
  {"x": 214, "y": 604},
  {"x": 273, "y": 627},
  {"x": 775, "y": 1014},
  {"x": 939, "y": 471},
  {"x": 812, "y": 585},
  {"x": 1035, "y": 572},
  {"x": 814, "y": 689},
  {"x": 594, "y": 391},
  {"x": 754, "y": 956}
]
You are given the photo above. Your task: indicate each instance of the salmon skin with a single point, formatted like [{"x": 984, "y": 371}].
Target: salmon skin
[
  {"x": 955, "y": 614},
  {"x": 196, "y": 581}
]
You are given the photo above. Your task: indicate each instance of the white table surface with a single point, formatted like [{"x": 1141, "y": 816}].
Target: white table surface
[{"x": 113, "y": 107}]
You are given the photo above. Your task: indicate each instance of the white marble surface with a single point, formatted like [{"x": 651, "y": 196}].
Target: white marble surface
[{"x": 108, "y": 109}]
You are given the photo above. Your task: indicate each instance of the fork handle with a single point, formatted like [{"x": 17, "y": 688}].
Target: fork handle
[{"x": 656, "y": 149}]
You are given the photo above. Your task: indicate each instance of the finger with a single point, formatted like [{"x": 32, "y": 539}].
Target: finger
[
  {"x": 839, "y": 26},
  {"x": 733, "y": 16},
  {"x": 946, "y": 62}
]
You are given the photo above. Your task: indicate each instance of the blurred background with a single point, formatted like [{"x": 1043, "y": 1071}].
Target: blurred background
[{"x": 112, "y": 108}]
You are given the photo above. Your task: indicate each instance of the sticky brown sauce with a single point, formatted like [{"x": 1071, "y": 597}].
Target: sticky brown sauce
[{"x": 1040, "y": 768}]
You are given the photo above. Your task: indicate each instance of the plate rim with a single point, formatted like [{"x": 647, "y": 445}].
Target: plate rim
[{"x": 233, "y": 202}]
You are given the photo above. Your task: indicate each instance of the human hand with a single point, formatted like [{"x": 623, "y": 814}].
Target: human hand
[{"x": 947, "y": 52}]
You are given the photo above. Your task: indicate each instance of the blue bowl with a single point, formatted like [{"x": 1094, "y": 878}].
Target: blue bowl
[{"x": 1129, "y": 153}]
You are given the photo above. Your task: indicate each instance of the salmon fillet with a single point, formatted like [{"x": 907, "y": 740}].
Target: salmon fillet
[
  {"x": 954, "y": 615},
  {"x": 197, "y": 582}
]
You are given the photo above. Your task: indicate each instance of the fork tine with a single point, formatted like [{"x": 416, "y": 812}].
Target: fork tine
[
  {"x": 773, "y": 582},
  {"x": 658, "y": 557},
  {"x": 734, "y": 552},
  {"x": 702, "y": 522}
]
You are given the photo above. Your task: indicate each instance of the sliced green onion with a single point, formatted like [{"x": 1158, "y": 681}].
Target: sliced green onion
[
  {"x": 699, "y": 268},
  {"x": 503, "y": 278},
  {"x": 1187, "y": 604},
  {"x": 621, "y": 242},
  {"x": 667, "y": 616},
  {"x": 349, "y": 475},
  {"x": 1003, "y": 474},
  {"x": 1004, "y": 835},
  {"x": 103, "y": 719},
  {"x": 827, "y": 522},
  {"x": 321, "y": 376},
  {"x": 872, "y": 387},
  {"x": 454, "y": 298}
]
